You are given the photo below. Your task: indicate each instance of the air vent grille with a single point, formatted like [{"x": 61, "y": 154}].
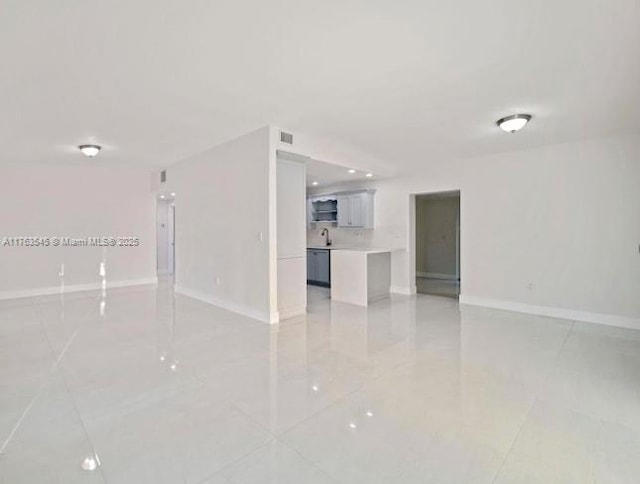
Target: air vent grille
[
  {"x": 163, "y": 176},
  {"x": 286, "y": 138}
]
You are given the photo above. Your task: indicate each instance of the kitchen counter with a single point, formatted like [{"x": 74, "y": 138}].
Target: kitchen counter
[
  {"x": 368, "y": 250},
  {"x": 360, "y": 276}
]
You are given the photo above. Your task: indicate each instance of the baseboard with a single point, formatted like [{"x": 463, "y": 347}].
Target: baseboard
[
  {"x": 274, "y": 317},
  {"x": 405, "y": 290},
  {"x": 291, "y": 313},
  {"x": 229, "y": 306},
  {"x": 553, "y": 312},
  {"x": 377, "y": 297},
  {"x": 436, "y": 275},
  {"x": 48, "y": 291}
]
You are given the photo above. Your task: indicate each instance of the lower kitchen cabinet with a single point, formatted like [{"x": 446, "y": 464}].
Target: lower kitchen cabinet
[{"x": 319, "y": 267}]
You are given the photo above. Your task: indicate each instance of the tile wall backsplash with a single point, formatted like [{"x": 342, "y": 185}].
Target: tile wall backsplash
[{"x": 340, "y": 237}]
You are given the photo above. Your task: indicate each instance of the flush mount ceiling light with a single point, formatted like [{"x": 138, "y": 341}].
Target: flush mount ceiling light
[
  {"x": 90, "y": 150},
  {"x": 513, "y": 123}
]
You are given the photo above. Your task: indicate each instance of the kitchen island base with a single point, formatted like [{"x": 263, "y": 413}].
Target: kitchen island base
[{"x": 360, "y": 276}]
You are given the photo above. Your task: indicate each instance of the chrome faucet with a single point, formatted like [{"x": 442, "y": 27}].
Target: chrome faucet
[{"x": 325, "y": 233}]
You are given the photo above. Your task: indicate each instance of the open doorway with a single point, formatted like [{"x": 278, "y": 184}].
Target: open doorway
[
  {"x": 165, "y": 232},
  {"x": 438, "y": 244}
]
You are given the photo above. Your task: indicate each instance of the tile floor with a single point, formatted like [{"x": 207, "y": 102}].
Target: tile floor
[{"x": 158, "y": 388}]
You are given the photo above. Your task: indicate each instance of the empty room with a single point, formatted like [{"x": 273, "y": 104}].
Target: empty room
[{"x": 331, "y": 242}]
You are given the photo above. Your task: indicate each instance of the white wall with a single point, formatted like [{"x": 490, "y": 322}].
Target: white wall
[
  {"x": 553, "y": 230},
  {"x": 223, "y": 239},
  {"x": 41, "y": 200}
]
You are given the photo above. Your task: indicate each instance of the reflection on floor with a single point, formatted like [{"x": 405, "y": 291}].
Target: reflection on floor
[
  {"x": 317, "y": 294},
  {"x": 438, "y": 287},
  {"x": 167, "y": 389}
]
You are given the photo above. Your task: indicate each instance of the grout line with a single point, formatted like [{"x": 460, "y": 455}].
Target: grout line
[
  {"x": 535, "y": 400},
  {"x": 307, "y": 459},
  {"x": 56, "y": 368},
  {"x": 513, "y": 442},
  {"x": 71, "y": 397},
  {"x": 243, "y": 456},
  {"x": 38, "y": 393},
  {"x": 19, "y": 422}
]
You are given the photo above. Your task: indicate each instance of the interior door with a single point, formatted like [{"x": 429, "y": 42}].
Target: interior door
[{"x": 171, "y": 235}]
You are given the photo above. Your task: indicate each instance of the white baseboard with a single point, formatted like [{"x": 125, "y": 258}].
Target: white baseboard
[
  {"x": 291, "y": 313},
  {"x": 553, "y": 312},
  {"x": 436, "y": 275},
  {"x": 405, "y": 290},
  {"x": 264, "y": 317},
  {"x": 274, "y": 318},
  {"x": 48, "y": 291}
]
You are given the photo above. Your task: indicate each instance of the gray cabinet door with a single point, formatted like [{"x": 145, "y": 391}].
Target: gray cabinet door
[
  {"x": 322, "y": 265},
  {"x": 356, "y": 210},
  {"x": 312, "y": 265},
  {"x": 344, "y": 211}
]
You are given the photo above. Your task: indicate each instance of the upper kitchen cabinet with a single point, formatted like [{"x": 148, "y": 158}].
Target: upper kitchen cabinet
[
  {"x": 349, "y": 209},
  {"x": 324, "y": 208},
  {"x": 355, "y": 209}
]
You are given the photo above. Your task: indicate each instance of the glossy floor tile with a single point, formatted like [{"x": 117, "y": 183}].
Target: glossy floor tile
[{"x": 154, "y": 387}]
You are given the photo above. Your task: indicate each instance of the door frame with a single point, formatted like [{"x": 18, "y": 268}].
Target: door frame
[{"x": 413, "y": 199}]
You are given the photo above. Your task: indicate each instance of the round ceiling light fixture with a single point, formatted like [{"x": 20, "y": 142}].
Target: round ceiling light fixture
[
  {"x": 513, "y": 123},
  {"x": 90, "y": 150}
]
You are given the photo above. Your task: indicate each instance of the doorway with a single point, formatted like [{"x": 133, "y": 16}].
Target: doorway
[
  {"x": 165, "y": 233},
  {"x": 437, "y": 232}
]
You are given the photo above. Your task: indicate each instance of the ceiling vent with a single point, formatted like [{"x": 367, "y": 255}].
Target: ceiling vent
[
  {"x": 286, "y": 138},
  {"x": 163, "y": 176}
]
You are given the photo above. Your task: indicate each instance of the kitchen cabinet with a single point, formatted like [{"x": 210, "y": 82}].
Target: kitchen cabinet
[
  {"x": 355, "y": 210},
  {"x": 318, "y": 267},
  {"x": 322, "y": 209},
  {"x": 348, "y": 209},
  {"x": 292, "y": 238}
]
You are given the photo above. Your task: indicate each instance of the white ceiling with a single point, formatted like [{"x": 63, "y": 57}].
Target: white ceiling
[
  {"x": 154, "y": 81},
  {"x": 328, "y": 174}
]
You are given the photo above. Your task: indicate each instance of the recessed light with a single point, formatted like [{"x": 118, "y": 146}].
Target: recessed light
[
  {"x": 369, "y": 175},
  {"x": 173, "y": 194},
  {"x": 315, "y": 388},
  {"x": 314, "y": 183},
  {"x": 90, "y": 150},
  {"x": 369, "y": 414},
  {"x": 353, "y": 425},
  {"x": 513, "y": 123},
  {"x": 162, "y": 196},
  {"x": 352, "y": 170}
]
